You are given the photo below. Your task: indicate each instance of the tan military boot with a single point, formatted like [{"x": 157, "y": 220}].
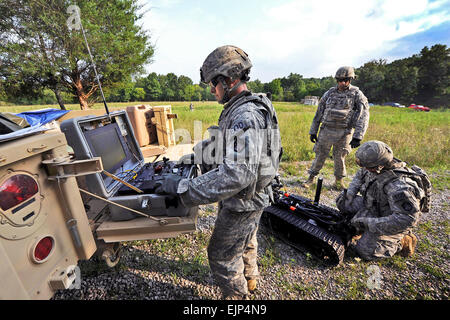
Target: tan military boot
[
  {"x": 308, "y": 182},
  {"x": 339, "y": 184},
  {"x": 409, "y": 243},
  {"x": 251, "y": 285}
]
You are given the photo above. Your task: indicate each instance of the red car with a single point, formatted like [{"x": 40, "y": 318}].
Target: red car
[{"x": 419, "y": 107}]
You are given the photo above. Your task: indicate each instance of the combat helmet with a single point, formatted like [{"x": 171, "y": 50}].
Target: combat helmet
[
  {"x": 373, "y": 154},
  {"x": 228, "y": 61},
  {"x": 345, "y": 72}
]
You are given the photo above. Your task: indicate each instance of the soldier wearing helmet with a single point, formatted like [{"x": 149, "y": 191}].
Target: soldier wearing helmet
[
  {"x": 391, "y": 200},
  {"x": 248, "y": 138},
  {"x": 343, "y": 118},
  {"x": 229, "y": 66}
]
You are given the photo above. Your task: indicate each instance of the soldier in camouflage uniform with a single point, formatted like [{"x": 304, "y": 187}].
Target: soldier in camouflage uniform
[
  {"x": 391, "y": 201},
  {"x": 343, "y": 112},
  {"x": 245, "y": 151}
]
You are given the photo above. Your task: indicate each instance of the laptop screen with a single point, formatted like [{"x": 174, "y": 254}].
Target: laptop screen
[{"x": 107, "y": 143}]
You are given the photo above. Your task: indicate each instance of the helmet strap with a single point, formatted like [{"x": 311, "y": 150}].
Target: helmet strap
[
  {"x": 226, "y": 95},
  {"x": 228, "y": 92}
]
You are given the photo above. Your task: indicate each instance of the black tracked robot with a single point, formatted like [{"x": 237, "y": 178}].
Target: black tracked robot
[{"x": 307, "y": 225}]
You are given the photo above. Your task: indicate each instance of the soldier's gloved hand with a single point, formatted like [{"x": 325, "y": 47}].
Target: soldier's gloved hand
[
  {"x": 359, "y": 224},
  {"x": 349, "y": 199},
  {"x": 340, "y": 202},
  {"x": 186, "y": 159},
  {"x": 355, "y": 143},
  {"x": 169, "y": 185},
  {"x": 313, "y": 138},
  {"x": 344, "y": 201}
]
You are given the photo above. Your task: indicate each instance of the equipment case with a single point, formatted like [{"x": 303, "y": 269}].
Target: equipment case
[{"x": 112, "y": 138}]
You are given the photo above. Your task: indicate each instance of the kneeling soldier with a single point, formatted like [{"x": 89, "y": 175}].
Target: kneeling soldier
[{"x": 391, "y": 201}]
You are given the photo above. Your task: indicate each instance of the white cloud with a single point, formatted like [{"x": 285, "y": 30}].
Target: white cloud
[
  {"x": 310, "y": 37},
  {"x": 331, "y": 34}
]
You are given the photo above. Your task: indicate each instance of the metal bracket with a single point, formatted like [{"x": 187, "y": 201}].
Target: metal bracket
[
  {"x": 76, "y": 168},
  {"x": 37, "y": 149}
]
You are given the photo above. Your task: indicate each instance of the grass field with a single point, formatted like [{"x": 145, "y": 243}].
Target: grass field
[
  {"x": 178, "y": 267},
  {"x": 420, "y": 138}
]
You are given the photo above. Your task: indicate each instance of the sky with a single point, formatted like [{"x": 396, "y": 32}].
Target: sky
[{"x": 309, "y": 37}]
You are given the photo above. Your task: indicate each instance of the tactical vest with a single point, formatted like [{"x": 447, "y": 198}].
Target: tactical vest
[
  {"x": 423, "y": 181},
  {"x": 380, "y": 181},
  {"x": 340, "y": 107},
  {"x": 271, "y": 159}
]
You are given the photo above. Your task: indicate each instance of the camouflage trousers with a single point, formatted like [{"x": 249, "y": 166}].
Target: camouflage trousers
[
  {"x": 340, "y": 141},
  {"x": 232, "y": 250},
  {"x": 370, "y": 246}
]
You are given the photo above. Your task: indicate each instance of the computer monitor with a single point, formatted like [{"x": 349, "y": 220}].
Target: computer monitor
[{"x": 108, "y": 143}]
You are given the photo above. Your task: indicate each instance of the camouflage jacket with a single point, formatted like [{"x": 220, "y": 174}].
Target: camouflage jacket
[
  {"x": 343, "y": 110},
  {"x": 245, "y": 156},
  {"x": 391, "y": 199}
]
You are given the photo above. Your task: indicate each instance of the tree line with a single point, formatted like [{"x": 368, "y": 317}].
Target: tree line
[
  {"x": 421, "y": 79},
  {"x": 42, "y": 61}
]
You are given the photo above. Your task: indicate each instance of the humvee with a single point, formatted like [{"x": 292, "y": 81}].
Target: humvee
[{"x": 77, "y": 191}]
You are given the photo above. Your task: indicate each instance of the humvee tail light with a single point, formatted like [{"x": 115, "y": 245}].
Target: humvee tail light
[
  {"x": 16, "y": 190},
  {"x": 43, "y": 249}
]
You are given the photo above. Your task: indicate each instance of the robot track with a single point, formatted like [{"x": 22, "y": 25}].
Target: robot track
[{"x": 303, "y": 235}]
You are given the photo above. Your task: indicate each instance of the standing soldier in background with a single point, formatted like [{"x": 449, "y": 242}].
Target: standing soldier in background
[
  {"x": 344, "y": 113},
  {"x": 248, "y": 137},
  {"x": 391, "y": 201}
]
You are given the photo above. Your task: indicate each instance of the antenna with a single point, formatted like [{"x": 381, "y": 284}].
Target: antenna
[
  {"x": 95, "y": 70},
  {"x": 74, "y": 22}
]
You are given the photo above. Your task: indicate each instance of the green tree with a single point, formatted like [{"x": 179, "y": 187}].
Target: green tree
[
  {"x": 20, "y": 92},
  {"x": 169, "y": 85},
  {"x": 185, "y": 89},
  {"x": 36, "y": 44},
  {"x": 189, "y": 92},
  {"x": 119, "y": 92},
  {"x": 326, "y": 83},
  {"x": 371, "y": 80},
  {"x": 313, "y": 87},
  {"x": 172, "y": 87},
  {"x": 138, "y": 94},
  {"x": 197, "y": 93},
  {"x": 401, "y": 78},
  {"x": 433, "y": 87},
  {"x": 300, "y": 90},
  {"x": 168, "y": 94},
  {"x": 3, "y": 96},
  {"x": 152, "y": 87},
  {"x": 206, "y": 93},
  {"x": 255, "y": 86},
  {"x": 275, "y": 88},
  {"x": 290, "y": 86}
]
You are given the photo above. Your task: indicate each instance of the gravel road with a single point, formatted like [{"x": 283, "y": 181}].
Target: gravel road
[{"x": 177, "y": 269}]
